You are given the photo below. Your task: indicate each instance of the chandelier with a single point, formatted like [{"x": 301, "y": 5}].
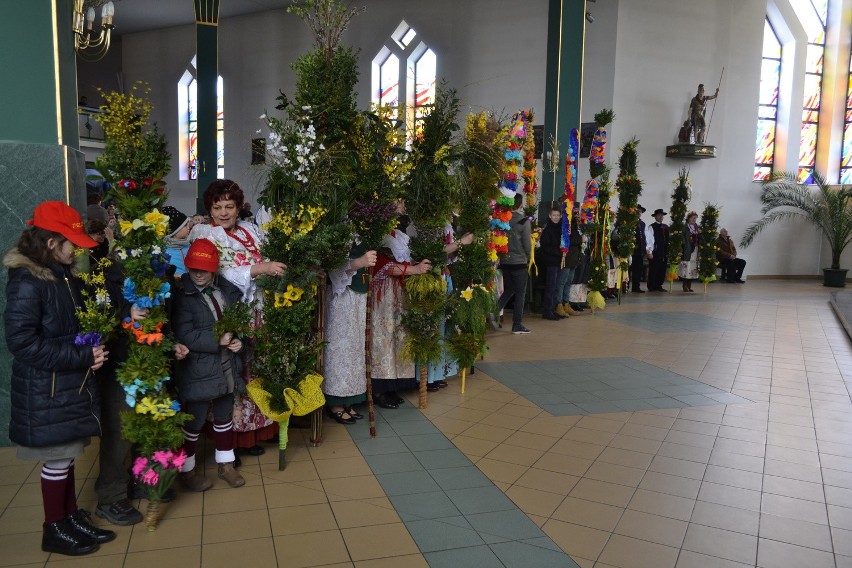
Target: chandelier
[{"x": 89, "y": 44}]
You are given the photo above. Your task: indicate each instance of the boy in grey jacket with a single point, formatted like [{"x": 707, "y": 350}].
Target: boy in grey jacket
[
  {"x": 514, "y": 266},
  {"x": 207, "y": 376}
]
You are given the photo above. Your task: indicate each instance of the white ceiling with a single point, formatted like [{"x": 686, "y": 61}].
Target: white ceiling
[{"x": 141, "y": 15}]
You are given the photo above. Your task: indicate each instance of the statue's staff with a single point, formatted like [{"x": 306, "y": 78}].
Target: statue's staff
[{"x": 714, "y": 104}]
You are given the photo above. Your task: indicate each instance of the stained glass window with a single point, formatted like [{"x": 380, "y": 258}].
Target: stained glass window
[
  {"x": 846, "y": 152},
  {"x": 812, "y": 14},
  {"x": 424, "y": 87},
  {"x": 192, "y": 128},
  {"x": 770, "y": 77},
  {"x": 404, "y": 77}
]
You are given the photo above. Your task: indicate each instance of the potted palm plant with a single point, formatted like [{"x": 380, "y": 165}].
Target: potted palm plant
[{"x": 828, "y": 208}]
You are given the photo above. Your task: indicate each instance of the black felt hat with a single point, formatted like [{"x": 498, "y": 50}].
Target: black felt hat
[
  {"x": 176, "y": 219},
  {"x": 659, "y": 212},
  {"x": 642, "y": 209}
]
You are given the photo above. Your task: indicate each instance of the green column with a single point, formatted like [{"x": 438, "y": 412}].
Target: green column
[
  {"x": 207, "y": 65},
  {"x": 38, "y": 102},
  {"x": 566, "y": 30}
]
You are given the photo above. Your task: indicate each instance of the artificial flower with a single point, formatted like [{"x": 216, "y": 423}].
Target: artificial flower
[{"x": 467, "y": 293}]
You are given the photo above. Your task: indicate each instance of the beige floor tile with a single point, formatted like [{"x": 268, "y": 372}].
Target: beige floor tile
[
  {"x": 532, "y": 441},
  {"x": 334, "y": 468},
  {"x": 655, "y": 420},
  {"x": 302, "y": 470},
  {"x": 310, "y": 549},
  {"x": 615, "y": 474},
  {"x": 302, "y": 519},
  {"x": 790, "y": 508},
  {"x": 534, "y": 501},
  {"x": 261, "y": 551},
  {"x": 501, "y": 471},
  {"x": 409, "y": 561},
  {"x": 735, "y": 477},
  {"x": 365, "y": 543},
  {"x": 689, "y": 559},
  {"x": 626, "y": 458},
  {"x": 364, "y": 512},
  {"x": 358, "y": 487},
  {"x": 632, "y": 443},
  {"x": 794, "y": 531},
  {"x": 451, "y": 426},
  {"x": 717, "y": 542},
  {"x": 600, "y": 423},
  {"x": 473, "y": 446},
  {"x": 548, "y": 426},
  {"x": 171, "y": 533},
  {"x": 773, "y": 554},
  {"x": 288, "y": 494},
  {"x": 793, "y": 488},
  {"x": 232, "y": 500},
  {"x": 588, "y": 514},
  {"x": 488, "y": 432},
  {"x": 577, "y": 449},
  {"x": 17, "y": 474},
  {"x": 685, "y": 452},
  {"x": 840, "y": 517},
  {"x": 228, "y": 527},
  {"x": 576, "y": 540},
  {"x": 22, "y": 548},
  {"x": 515, "y": 454},
  {"x": 180, "y": 556},
  {"x": 16, "y": 520},
  {"x": 535, "y": 478},
  {"x": 600, "y": 437},
  {"x": 335, "y": 449},
  {"x": 671, "y": 484},
  {"x": 725, "y": 517},
  {"x": 603, "y": 492},
  {"x": 681, "y": 468},
  {"x": 653, "y": 528},
  {"x": 628, "y": 552},
  {"x": 737, "y": 461},
  {"x": 842, "y": 540},
  {"x": 663, "y": 505}
]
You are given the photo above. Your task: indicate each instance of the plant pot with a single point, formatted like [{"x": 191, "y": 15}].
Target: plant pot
[{"x": 834, "y": 277}]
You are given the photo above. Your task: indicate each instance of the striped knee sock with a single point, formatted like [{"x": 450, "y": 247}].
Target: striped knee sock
[{"x": 54, "y": 481}]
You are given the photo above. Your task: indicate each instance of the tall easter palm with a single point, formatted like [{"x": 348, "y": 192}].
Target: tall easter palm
[{"x": 829, "y": 208}]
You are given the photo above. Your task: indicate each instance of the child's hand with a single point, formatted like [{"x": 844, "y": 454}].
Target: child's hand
[
  {"x": 101, "y": 356},
  {"x": 235, "y": 345},
  {"x": 181, "y": 351},
  {"x": 226, "y": 339},
  {"x": 138, "y": 313}
]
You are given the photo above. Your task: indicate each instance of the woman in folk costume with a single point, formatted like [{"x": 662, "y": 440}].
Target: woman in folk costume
[
  {"x": 345, "y": 325},
  {"x": 240, "y": 262},
  {"x": 391, "y": 372},
  {"x": 688, "y": 268}
]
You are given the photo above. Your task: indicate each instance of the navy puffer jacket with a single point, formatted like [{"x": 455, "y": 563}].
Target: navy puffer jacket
[{"x": 53, "y": 400}]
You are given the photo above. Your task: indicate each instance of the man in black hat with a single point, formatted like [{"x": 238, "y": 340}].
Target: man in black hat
[
  {"x": 637, "y": 264},
  {"x": 657, "y": 244}
]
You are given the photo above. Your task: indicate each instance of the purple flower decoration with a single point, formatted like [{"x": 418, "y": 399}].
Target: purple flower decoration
[{"x": 91, "y": 338}]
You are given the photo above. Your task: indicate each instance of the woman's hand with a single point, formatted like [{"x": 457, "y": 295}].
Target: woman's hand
[
  {"x": 422, "y": 267},
  {"x": 235, "y": 345},
  {"x": 268, "y": 268},
  {"x": 226, "y": 339},
  {"x": 365, "y": 260},
  {"x": 101, "y": 356},
  {"x": 181, "y": 351},
  {"x": 466, "y": 239},
  {"x": 137, "y": 314}
]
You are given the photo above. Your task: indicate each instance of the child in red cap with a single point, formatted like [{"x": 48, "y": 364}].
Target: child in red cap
[
  {"x": 54, "y": 400},
  {"x": 212, "y": 370}
]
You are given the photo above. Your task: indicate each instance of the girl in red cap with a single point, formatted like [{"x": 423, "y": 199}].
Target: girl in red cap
[
  {"x": 208, "y": 375},
  {"x": 54, "y": 401}
]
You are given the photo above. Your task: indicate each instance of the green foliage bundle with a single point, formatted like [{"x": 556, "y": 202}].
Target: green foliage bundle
[
  {"x": 472, "y": 265},
  {"x": 677, "y": 226},
  {"x": 237, "y": 318},
  {"x": 707, "y": 231},
  {"x": 150, "y": 435},
  {"x": 600, "y": 230},
  {"x": 597, "y": 153},
  {"x": 629, "y": 188},
  {"x": 425, "y": 297}
]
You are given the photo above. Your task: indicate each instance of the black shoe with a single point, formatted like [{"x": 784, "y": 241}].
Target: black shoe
[
  {"x": 81, "y": 520},
  {"x": 338, "y": 416},
  {"x": 638, "y": 291},
  {"x": 353, "y": 413},
  {"x": 237, "y": 461},
  {"x": 442, "y": 384},
  {"x": 432, "y": 387},
  {"x": 520, "y": 330},
  {"x": 255, "y": 451},
  {"x": 120, "y": 513},
  {"x": 395, "y": 397},
  {"x": 578, "y": 307},
  {"x": 62, "y": 538},
  {"x": 738, "y": 281},
  {"x": 382, "y": 401}
]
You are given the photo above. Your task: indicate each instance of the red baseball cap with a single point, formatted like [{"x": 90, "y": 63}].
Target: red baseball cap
[
  {"x": 202, "y": 255},
  {"x": 60, "y": 218}
]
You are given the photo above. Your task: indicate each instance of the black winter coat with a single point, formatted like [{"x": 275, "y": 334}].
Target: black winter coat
[
  {"x": 550, "y": 251},
  {"x": 53, "y": 400},
  {"x": 200, "y": 376}
]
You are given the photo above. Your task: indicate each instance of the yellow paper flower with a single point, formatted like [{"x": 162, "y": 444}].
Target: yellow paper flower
[
  {"x": 293, "y": 293},
  {"x": 158, "y": 410},
  {"x": 467, "y": 293},
  {"x": 160, "y": 222}
]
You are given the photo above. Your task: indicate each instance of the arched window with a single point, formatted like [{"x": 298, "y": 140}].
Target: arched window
[
  {"x": 767, "y": 114},
  {"x": 846, "y": 152},
  {"x": 188, "y": 125},
  {"x": 812, "y": 14},
  {"x": 404, "y": 55}
]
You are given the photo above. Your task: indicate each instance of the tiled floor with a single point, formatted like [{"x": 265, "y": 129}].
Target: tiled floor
[{"x": 763, "y": 478}]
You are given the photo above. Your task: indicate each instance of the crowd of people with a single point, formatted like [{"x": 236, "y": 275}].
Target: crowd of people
[{"x": 64, "y": 393}]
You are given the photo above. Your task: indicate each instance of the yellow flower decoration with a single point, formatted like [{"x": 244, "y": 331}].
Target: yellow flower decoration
[
  {"x": 467, "y": 293},
  {"x": 285, "y": 299},
  {"x": 158, "y": 410},
  {"x": 160, "y": 222}
]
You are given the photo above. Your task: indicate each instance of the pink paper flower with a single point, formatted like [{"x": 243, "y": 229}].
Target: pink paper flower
[
  {"x": 162, "y": 458},
  {"x": 139, "y": 466},
  {"x": 178, "y": 459},
  {"x": 150, "y": 477}
]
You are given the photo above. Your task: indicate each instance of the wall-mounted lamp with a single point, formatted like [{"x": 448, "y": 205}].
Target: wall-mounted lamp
[
  {"x": 89, "y": 45},
  {"x": 589, "y": 17}
]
